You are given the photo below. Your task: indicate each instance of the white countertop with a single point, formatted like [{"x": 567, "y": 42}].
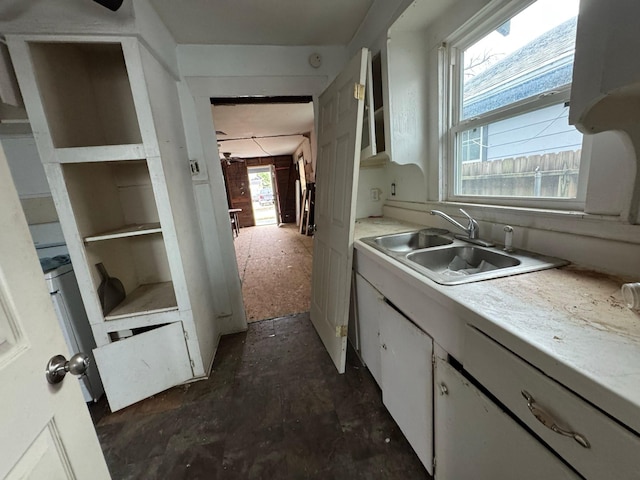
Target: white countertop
[{"x": 569, "y": 322}]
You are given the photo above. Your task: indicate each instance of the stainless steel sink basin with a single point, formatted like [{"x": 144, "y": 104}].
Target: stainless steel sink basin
[
  {"x": 449, "y": 261},
  {"x": 462, "y": 260},
  {"x": 409, "y": 241}
]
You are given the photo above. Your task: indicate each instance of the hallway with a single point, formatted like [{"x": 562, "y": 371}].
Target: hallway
[{"x": 275, "y": 269}]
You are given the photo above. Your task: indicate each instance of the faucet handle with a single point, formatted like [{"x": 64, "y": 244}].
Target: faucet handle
[
  {"x": 467, "y": 215},
  {"x": 472, "y": 229}
]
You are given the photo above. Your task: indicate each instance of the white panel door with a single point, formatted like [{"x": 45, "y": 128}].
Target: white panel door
[
  {"x": 46, "y": 429},
  {"x": 339, "y": 141}
]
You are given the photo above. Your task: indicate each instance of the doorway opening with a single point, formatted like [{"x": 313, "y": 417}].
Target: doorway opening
[
  {"x": 264, "y": 145},
  {"x": 263, "y": 195}
]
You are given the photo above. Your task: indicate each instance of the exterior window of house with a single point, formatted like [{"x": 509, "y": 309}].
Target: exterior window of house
[{"x": 509, "y": 137}]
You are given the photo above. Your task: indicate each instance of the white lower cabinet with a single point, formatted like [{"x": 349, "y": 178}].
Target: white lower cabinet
[
  {"x": 476, "y": 439},
  {"x": 407, "y": 380},
  {"x": 586, "y": 438},
  {"x": 369, "y": 302}
]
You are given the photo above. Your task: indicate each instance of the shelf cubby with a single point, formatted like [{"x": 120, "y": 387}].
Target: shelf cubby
[
  {"x": 146, "y": 299},
  {"x": 111, "y": 197},
  {"x": 86, "y": 94},
  {"x": 141, "y": 264}
]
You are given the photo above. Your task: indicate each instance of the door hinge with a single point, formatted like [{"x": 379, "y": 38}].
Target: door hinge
[
  {"x": 358, "y": 91},
  {"x": 186, "y": 335},
  {"x": 434, "y": 466},
  {"x": 193, "y": 364},
  {"x": 341, "y": 330}
]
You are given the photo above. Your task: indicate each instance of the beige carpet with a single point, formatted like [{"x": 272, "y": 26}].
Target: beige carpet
[{"x": 275, "y": 269}]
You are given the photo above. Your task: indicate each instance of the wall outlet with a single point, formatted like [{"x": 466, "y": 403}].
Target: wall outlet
[
  {"x": 195, "y": 168},
  {"x": 374, "y": 194}
]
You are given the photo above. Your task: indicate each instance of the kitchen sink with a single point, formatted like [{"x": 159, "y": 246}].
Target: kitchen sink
[
  {"x": 409, "y": 241},
  {"x": 449, "y": 261},
  {"x": 462, "y": 260}
]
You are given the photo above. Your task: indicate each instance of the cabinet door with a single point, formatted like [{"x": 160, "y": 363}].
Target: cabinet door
[
  {"x": 369, "y": 303},
  {"x": 477, "y": 439},
  {"x": 407, "y": 380},
  {"x": 143, "y": 365}
]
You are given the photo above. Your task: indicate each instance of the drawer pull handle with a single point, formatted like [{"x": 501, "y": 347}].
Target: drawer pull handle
[{"x": 548, "y": 421}]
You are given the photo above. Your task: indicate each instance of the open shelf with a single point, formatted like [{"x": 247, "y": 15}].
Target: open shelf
[
  {"x": 126, "y": 231},
  {"x": 108, "y": 196},
  {"x": 102, "y": 153},
  {"x": 86, "y": 93},
  {"x": 145, "y": 300}
]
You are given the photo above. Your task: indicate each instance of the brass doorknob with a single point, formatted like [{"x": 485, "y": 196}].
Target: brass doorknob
[{"x": 58, "y": 367}]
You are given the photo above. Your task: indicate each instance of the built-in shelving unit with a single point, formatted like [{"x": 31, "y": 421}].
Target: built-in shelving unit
[{"x": 120, "y": 179}]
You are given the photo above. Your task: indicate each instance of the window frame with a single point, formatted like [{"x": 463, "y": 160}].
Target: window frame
[{"x": 451, "y": 80}]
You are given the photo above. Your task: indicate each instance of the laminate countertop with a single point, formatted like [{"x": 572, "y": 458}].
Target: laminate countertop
[{"x": 569, "y": 322}]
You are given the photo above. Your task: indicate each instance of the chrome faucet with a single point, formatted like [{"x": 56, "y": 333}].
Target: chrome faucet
[{"x": 471, "y": 230}]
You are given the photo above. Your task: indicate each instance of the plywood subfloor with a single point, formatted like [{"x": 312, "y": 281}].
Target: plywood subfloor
[{"x": 275, "y": 269}]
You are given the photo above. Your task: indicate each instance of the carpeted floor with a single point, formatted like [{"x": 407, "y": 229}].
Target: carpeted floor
[
  {"x": 274, "y": 408},
  {"x": 275, "y": 269}
]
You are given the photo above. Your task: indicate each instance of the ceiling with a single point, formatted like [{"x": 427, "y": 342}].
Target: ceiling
[
  {"x": 261, "y": 130},
  {"x": 263, "y": 22},
  {"x": 277, "y": 128}
]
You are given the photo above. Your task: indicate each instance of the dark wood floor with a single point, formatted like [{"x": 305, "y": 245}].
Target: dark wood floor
[{"x": 274, "y": 408}]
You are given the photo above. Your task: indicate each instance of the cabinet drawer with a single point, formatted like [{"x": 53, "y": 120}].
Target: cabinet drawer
[{"x": 613, "y": 450}]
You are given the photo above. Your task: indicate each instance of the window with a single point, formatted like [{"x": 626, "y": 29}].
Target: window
[{"x": 509, "y": 137}]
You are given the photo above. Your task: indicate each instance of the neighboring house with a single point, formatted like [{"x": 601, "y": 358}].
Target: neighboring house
[{"x": 512, "y": 79}]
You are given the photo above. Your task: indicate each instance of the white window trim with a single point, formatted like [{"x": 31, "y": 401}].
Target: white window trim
[{"x": 488, "y": 19}]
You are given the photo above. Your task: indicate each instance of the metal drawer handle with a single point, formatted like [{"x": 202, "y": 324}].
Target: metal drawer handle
[{"x": 548, "y": 421}]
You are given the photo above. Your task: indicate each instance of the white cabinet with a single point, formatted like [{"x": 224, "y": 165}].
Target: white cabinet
[
  {"x": 373, "y": 132},
  {"x": 407, "y": 380},
  {"x": 106, "y": 119},
  {"x": 408, "y": 95},
  {"x": 369, "y": 310},
  {"x": 477, "y": 439},
  {"x": 605, "y": 92},
  {"x": 593, "y": 443}
]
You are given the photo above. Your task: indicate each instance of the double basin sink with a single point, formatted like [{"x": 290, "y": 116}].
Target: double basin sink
[{"x": 448, "y": 261}]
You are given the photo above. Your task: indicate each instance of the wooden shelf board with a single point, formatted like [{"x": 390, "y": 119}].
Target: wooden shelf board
[
  {"x": 126, "y": 231},
  {"x": 101, "y": 153},
  {"x": 146, "y": 299},
  {"x": 378, "y": 160}
]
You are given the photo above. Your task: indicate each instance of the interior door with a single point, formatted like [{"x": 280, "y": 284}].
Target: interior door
[
  {"x": 46, "y": 429},
  {"x": 339, "y": 141}
]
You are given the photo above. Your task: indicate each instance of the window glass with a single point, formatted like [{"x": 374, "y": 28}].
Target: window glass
[
  {"x": 529, "y": 54},
  {"x": 518, "y": 74},
  {"x": 535, "y": 154}
]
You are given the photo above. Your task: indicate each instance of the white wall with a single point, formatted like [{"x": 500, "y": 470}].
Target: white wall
[{"x": 228, "y": 71}]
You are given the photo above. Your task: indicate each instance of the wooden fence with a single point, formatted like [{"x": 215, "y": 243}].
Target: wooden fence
[{"x": 552, "y": 175}]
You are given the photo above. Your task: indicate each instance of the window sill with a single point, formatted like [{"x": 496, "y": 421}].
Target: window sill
[{"x": 562, "y": 221}]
